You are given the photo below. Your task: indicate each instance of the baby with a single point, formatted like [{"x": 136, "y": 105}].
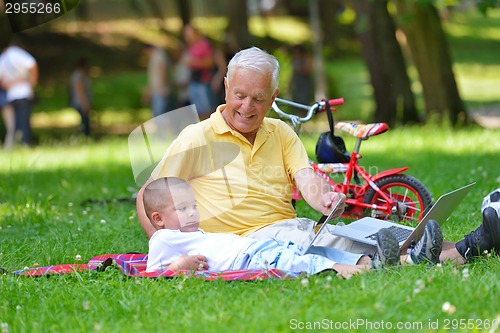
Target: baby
[{"x": 179, "y": 244}]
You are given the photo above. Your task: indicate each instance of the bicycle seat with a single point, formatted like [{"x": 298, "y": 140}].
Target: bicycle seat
[{"x": 362, "y": 131}]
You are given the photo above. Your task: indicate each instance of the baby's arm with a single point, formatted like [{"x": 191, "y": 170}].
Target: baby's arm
[{"x": 194, "y": 263}]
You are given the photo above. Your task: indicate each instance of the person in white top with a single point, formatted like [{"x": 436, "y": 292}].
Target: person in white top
[
  {"x": 19, "y": 76},
  {"x": 179, "y": 244},
  {"x": 158, "y": 89}
]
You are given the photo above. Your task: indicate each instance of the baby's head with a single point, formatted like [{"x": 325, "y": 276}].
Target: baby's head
[{"x": 170, "y": 203}]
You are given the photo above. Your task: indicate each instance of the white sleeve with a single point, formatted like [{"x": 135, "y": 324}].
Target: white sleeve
[{"x": 161, "y": 254}]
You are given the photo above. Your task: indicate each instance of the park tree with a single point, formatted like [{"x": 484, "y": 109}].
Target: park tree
[
  {"x": 155, "y": 8},
  {"x": 428, "y": 45},
  {"x": 237, "y": 13},
  {"x": 321, "y": 85},
  {"x": 184, "y": 9},
  {"x": 328, "y": 14},
  {"x": 330, "y": 25},
  {"x": 394, "y": 99}
]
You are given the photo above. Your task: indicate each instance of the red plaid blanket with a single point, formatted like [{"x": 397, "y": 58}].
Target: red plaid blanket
[{"x": 135, "y": 265}]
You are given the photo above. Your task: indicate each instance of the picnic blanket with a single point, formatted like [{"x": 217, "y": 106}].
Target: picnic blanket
[{"x": 134, "y": 265}]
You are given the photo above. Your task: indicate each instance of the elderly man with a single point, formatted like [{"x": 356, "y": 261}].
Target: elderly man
[{"x": 243, "y": 167}]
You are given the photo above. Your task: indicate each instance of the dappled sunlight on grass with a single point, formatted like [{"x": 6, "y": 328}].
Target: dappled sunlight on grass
[
  {"x": 286, "y": 29},
  {"x": 63, "y": 118},
  {"x": 416, "y": 143},
  {"x": 109, "y": 117},
  {"x": 488, "y": 33},
  {"x": 118, "y": 32},
  {"x": 474, "y": 24},
  {"x": 478, "y": 83},
  {"x": 107, "y": 121},
  {"x": 76, "y": 154},
  {"x": 212, "y": 27}
]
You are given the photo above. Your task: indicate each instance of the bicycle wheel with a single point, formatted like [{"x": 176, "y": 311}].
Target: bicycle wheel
[{"x": 412, "y": 197}]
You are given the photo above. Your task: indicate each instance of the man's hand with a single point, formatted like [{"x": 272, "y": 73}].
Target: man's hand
[
  {"x": 329, "y": 201},
  {"x": 318, "y": 193},
  {"x": 192, "y": 263}
]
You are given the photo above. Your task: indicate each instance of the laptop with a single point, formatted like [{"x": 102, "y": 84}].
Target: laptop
[
  {"x": 364, "y": 230},
  {"x": 324, "y": 220}
]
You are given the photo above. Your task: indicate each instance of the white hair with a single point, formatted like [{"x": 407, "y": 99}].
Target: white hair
[{"x": 257, "y": 60}]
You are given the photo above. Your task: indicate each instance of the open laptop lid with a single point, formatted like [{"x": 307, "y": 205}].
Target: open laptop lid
[
  {"x": 324, "y": 220},
  {"x": 440, "y": 212},
  {"x": 364, "y": 229}
]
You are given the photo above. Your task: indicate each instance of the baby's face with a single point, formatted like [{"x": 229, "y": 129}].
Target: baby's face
[{"x": 183, "y": 213}]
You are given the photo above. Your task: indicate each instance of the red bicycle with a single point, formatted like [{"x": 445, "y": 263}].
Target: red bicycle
[{"x": 389, "y": 194}]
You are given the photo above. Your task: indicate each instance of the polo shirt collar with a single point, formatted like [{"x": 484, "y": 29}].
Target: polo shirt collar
[
  {"x": 217, "y": 122},
  {"x": 220, "y": 126}
]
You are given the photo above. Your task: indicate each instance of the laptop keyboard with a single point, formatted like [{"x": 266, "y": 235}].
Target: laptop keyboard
[{"x": 400, "y": 233}]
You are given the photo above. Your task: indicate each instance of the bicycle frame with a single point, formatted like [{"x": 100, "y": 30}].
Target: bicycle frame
[
  {"x": 354, "y": 192},
  {"x": 358, "y": 191}
]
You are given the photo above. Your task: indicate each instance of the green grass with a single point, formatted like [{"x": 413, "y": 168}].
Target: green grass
[
  {"x": 45, "y": 219},
  {"x": 474, "y": 40}
]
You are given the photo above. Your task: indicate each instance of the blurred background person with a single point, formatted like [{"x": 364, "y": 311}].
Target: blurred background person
[
  {"x": 222, "y": 57},
  {"x": 217, "y": 82},
  {"x": 157, "y": 91},
  {"x": 182, "y": 75},
  {"x": 200, "y": 61},
  {"x": 19, "y": 76},
  {"x": 8, "y": 119},
  {"x": 81, "y": 93},
  {"x": 301, "y": 86}
]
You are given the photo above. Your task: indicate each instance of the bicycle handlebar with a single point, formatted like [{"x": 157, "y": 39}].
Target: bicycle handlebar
[
  {"x": 311, "y": 109},
  {"x": 336, "y": 101}
]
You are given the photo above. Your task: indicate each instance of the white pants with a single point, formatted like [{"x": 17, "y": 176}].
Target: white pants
[
  {"x": 288, "y": 257},
  {"x": 299, "y": 231}
]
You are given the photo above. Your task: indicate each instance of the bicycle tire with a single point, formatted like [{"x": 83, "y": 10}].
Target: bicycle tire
[{"x": 416, "y": 199}]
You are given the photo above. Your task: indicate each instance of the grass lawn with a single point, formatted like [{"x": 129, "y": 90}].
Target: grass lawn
[
  {"x": 60, "y": 201},
  {"x": 46, "y": 219}
]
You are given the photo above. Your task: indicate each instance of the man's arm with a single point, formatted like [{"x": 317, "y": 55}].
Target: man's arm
[{"x": 317, "y": 192}]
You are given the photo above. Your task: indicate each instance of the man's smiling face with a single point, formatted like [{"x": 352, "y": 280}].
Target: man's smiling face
[{"x": 248, "y": 98}]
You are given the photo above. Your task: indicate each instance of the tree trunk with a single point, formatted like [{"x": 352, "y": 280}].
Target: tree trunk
[
  {"x": 237, "y": 12},
  {"x": 184, "y": 11},
  {"x": 329, "y": 23},
  {"x": 430, "y": 52},
  {"x": 321, "y": 85},
  {"x": 156, "y": 11},
  {"x": 394, "y": 99}
]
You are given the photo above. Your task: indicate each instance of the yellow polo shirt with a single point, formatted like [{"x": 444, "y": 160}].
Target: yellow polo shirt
[{"x": 239, "y": 187}]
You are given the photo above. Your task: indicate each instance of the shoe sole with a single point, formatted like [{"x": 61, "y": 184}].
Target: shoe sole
[
  {"x": 491, "y": 224},
  {"x": 437, "y": 242},
  {"x": 430, "y": 251},
  {"x": 388, "y": 247}
]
